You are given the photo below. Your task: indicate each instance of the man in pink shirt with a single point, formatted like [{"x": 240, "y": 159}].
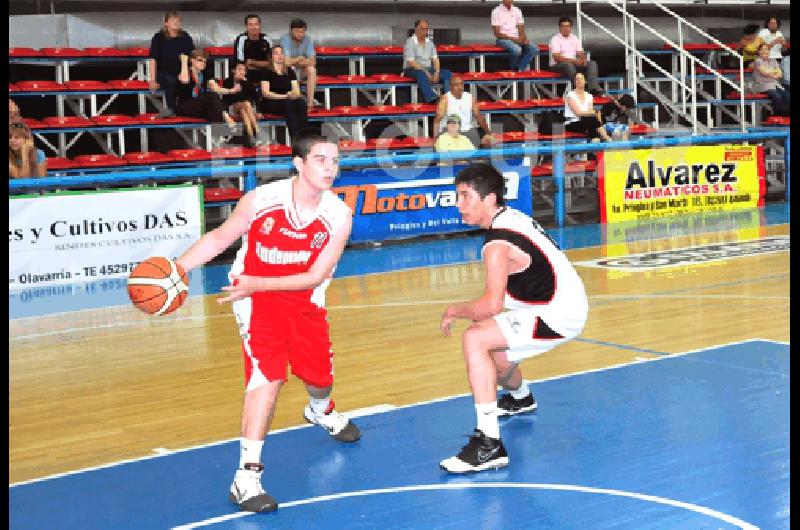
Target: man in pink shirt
[
  {"x": 568, "y": 58},
  {"x": 509, "y": 29}
]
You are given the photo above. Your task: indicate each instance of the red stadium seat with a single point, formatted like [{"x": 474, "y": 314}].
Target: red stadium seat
[
  {"x": 352, "y": 145},
  {"x": 366, "y": 50},
  {"x": 273, "y": 150},
  {"x": 387, "y": 109},
  {"x": 493, "y": 105},
  {"x": 392, "y": 78},
  {"x": 219, "y": 51},
  {"x": 85, "y": 85},
  {"x": 756, "y": 95},
  {"x": 136, "y": 51},
  {"x": 537, "y": 74},
  {"x": 127, "y": 84},
  {"x": 317, "y": 112},
  {"x": 347, "y": 110},
  {"x": 39, "y": 86},
  {"x": 642, "y": 128},
  {"x": 543, "y": 47},
  {"x": 481, "y": 76},
  {"x": 544, "y": 170},
  {"x": 221, "y": 194},
  {"x": 149, "y": 157},
  {"x": 24, "y": 52},
  {"x": 106, "y": 120},
  {"x": 153, "y": 118},
  {"x": 777, "y": 120},
  {"x": 104, "y": 52},
  {"x": 453, "y": 48},
  {"x": 63, "y": 52},
  {"x": 58, "y": 162},
  {"x": 392, "y": 49},
  {"x": 190, "y": 155},
  {"x": 33, "y": 123},
  {"x": 332, "y": 50},
  {"x": 355, "y": 79},
  {"x": 420, "y": 107},
  {"x": 67, "y": 122},
  {"x": 234, "y": 152},
  {"x": 547, "y": 102},
  {"x": 486, "y": 48},
  {"x": 99, "y": 160},
  {"x": 515, "y": 136},
  {"x": 12, "y": 87},
  {"x": 327, "y": 80}
]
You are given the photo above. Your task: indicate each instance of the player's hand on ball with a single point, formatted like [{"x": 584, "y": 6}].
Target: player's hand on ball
[
  {"x": 447, "y": 321},
  {"x": 241, "y": 287}
]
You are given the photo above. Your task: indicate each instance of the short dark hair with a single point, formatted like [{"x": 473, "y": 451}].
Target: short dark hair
[
  {"x": 564, "y": 19},
  {"x": 297, "y": 23},
  {"x": 626, "y": 100},
  {"x": 750, "y": 29},
  {"x": 305, "y": 141},
  {"x": 766, "y": 22},
  {"x": 235, "y": 63},
  {"x": 252, "y": 15},
  {"x": 485, "y": 179},
  {"x": 417, "y": 22}
]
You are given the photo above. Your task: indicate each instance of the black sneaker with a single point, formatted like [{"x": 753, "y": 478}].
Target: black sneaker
[
  {"x": 508, "y": 406},
  {"x": 247, "y": 493},
  {"x": 480, "y": 454}
]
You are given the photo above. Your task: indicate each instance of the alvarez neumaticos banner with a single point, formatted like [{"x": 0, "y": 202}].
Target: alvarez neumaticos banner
[{"x": 646, "y": 183}]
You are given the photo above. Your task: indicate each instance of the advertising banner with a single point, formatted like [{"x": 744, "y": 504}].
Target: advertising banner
[
  {"x": 67, "y": 238},
  {"x": 408, "y": 202},
  {"x": 648, "y": 183}
]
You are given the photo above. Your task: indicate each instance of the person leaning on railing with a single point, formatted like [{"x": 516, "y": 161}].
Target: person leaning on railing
[
  {"x": 767, "y": 75},
  {"x": 24, "y": 160}
]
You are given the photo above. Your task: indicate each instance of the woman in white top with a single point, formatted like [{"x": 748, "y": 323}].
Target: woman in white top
[
  {"x": 773, "y": 37},
  {"x": 579, "y": 111}
]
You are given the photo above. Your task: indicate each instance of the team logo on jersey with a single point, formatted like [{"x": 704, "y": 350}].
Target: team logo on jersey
[
  {"x": 266, "y": 227},
  {"x": 319, "y": 239}
]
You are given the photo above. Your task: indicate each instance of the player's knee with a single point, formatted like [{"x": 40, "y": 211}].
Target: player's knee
[{"x": 473, "y": 338}]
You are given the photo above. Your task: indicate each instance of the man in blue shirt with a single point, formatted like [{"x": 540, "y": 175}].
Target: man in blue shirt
[{"x": 300, "y": 55}]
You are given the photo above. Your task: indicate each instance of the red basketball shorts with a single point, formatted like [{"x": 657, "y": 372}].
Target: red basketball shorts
[{"x": 277, "y": 335}]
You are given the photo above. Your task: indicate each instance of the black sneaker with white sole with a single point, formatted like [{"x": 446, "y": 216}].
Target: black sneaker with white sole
[
  {"x": 480, "y": 454},
  {"x": 247, "y": 493},
  {"x": 508, "y": 406}
]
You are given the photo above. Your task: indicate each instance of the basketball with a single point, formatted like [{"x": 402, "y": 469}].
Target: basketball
[{"x": 158, "y": 286}]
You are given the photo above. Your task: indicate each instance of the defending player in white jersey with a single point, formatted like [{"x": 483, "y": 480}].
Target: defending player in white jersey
[
  {"x": 527, "y": 274},
  {"x": 294, "y": 232}
]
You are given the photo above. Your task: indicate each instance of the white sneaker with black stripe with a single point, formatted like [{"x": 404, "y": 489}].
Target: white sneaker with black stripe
[
  {"x": 247, "y": 493},
  {"x": 338, "y": 426}
]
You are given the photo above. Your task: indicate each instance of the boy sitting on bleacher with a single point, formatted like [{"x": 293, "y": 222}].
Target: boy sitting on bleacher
[{"x": 614, "y": 116}]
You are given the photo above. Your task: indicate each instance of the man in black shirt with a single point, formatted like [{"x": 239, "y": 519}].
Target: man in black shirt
[
  {"x": 254, "y": 49},
  {"x": 614, "y": 116}
]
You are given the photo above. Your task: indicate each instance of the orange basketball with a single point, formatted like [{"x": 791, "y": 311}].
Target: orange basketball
[{"x": 158, "y": 286}]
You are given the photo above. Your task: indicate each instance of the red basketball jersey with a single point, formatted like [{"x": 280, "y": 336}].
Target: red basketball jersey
[{"x": 279, "y": 244}]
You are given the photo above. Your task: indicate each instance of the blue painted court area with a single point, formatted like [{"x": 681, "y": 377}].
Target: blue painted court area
[{"x": 698, "y": 440}]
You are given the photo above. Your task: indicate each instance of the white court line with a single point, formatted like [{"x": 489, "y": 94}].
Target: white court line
[
  {"x": 393, "y": 304},
  {"x": 516, "y": 485},
  {"x": 398, "y": 407}
]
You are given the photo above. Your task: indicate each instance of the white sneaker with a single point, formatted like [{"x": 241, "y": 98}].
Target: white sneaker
[
  {"x": 337, "y": 425},
  {"x": 247, "y": 493}
]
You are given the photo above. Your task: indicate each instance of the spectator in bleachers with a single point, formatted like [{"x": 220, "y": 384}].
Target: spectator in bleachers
[
  {"x": 24, "y": 160},
  {"x": 773, "y": 37},
  {"x": 786, "y": 69},
  {"x": 614, "y": 116},
  {"x": 254, "y": 49},
  {"x": 567, "y": 56},
  {"x": 767, "y": 76},
  {"x": 300, "y": 55},
  {"x": 749, "y": 43},
  {"x": 579, "y": 111},
  {"x": 452, "y": 139},
  {"x": 421, "y": 62},
  {"x": 196, "y": 99},
  {"x": 508, "y": 26},
  {"x": 13, "y": 111},
  {"x": 238, "y": 95},
  {"x": 165, "y": 49},
  {"x": 280, "y": 94},
  {"x": 462, "y": 104}
]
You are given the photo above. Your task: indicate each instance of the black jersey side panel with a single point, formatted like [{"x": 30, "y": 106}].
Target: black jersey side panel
[{"x": 537, "y": 283}]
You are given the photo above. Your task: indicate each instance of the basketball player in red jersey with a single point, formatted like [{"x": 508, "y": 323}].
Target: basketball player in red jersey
[
  {"x": 294, "y": 232},
  {"x": 527, "y": 274}
]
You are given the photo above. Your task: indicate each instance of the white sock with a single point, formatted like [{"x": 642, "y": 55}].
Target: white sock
[
  {"x": 522, "y": 392},
  {"x": 319, "y": 406},
  {"x": 487, "y": 419},
  {"x": 249, "y": 451}
]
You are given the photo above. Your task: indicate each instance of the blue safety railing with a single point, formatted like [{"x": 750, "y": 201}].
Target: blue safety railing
[{"x": 557, "y": 150}]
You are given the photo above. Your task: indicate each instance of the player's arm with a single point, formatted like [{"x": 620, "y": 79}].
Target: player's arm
[
  {"x": 321, "y": 270},
  {"x": 496, "y": 257},
  {"x": 213, "y": 243}
]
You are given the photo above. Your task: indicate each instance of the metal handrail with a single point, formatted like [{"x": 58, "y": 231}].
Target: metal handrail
[{"x": 630, "y": 48}]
